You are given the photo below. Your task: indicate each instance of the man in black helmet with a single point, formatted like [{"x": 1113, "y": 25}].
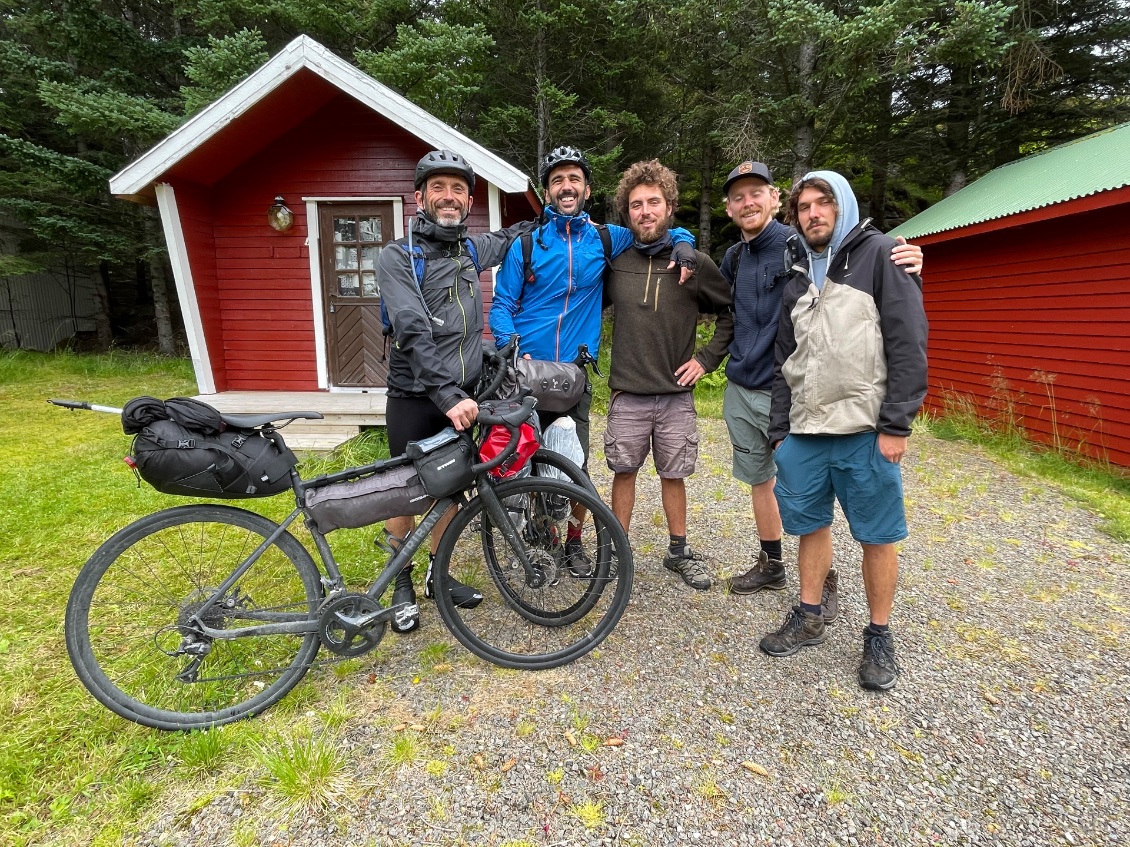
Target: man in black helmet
[
  {"x": 437, "y": 323},
  {"x": 553, "y": 301}
]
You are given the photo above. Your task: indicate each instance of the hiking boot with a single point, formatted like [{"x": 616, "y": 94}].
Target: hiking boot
[
  {"x": 878, "y": 671},
  {"x": 689, "y": 565},
  {"x": 800, "y": 629},
  {"x": 403, "y": 592},
  {"x": 830, "y": 597},
  {"x": 576, "y": 560},
  {"x": 766, "y": 575},
  {"x": 463, "y": 596}
]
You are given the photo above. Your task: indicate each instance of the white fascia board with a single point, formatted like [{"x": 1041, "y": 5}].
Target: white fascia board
[
  {"x": 186, "y": 290},
  {"x": 494, "y": 212},
  {"x": 305, "y": 52}
]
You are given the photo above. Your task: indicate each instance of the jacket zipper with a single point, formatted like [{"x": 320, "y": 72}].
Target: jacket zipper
[
  {"x": 568, "y": 288},
  {"x": 455, "y": 288}
]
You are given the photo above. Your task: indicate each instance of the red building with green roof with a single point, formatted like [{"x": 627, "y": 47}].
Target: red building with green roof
[{"x": 1027, "y": 285}]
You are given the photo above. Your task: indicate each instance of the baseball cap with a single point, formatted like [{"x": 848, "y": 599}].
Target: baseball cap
[{"x": 747, "y": 168}]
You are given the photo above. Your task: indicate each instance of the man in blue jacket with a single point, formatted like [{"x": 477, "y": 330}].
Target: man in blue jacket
[
  {"x": 757, "y": 268},
  {"x": 554, "y": 305}
]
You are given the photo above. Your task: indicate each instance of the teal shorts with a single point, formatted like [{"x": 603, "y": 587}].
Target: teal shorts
[{"x": 813, "y": 471}]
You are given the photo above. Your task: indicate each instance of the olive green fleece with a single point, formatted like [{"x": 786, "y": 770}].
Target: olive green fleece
[{"x": 654, "y": 324}]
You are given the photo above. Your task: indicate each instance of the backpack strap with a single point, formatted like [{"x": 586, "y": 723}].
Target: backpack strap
[
  {"x": 527, "y": 259},
  {"x": 735, "y": 261},
  {"x": 605, "y": 242}
]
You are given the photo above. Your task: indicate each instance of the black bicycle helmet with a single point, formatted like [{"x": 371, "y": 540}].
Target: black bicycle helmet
[
  {"x": 444, "y": 162},
  {"x": 562, "y": 156}
]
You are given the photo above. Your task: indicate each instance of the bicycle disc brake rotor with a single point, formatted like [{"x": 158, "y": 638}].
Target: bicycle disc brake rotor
[{"x": 346, "y": 625}]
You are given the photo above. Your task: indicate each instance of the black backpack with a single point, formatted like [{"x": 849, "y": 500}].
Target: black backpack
[{"x": 182, "y": 446}]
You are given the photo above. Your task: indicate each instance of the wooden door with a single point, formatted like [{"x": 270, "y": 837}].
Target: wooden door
[{"x": 352, "y": 236}]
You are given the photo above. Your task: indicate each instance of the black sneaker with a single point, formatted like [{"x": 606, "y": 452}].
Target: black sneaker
[
  {"x": 800, "y": 629},
  {"x": 404, "y": 592},
  {"x": 576, "y": 560},
  {"x": 463, "y": 596},
  {"x": 830, "y": 597},
  {"x": 878, "y": 671},
  {"x": 689, "y": 564},
  {"x": 765, "y": 575}
]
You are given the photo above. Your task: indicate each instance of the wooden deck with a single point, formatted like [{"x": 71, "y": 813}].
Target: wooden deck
[{"x": 343, "y": 413}]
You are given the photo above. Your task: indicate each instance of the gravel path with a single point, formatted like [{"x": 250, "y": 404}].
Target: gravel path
[{"x": 1009, "y": 726}]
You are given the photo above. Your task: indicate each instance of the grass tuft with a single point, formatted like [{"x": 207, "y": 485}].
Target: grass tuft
[{"x": 306, "y": 772}]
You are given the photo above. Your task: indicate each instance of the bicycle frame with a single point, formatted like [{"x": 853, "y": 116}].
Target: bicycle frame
[{"x": 296, "y": 624}]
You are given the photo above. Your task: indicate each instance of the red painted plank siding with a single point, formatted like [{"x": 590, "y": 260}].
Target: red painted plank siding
[
  {"x": 255, "y": 282},
  {"x": 1030, "y": 323}
]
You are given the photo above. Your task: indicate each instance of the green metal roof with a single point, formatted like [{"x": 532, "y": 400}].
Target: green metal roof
[{"x": 1080, "y": 168}]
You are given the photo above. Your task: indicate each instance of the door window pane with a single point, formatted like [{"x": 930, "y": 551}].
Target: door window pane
[
  {"x": 371, "y": 229},
  {"x": 369, "y": 285},
  {"x": 347, "y": 285},
  {"x": 369, "y": 258},
  {"x": 345, "y": 229},
  {"x": 345, "y": 258}
]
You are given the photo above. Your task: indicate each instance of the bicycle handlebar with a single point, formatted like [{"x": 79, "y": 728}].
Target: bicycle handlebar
[
  {"x": 90, "y": 407},
  {"x": 512, "y": 420}
]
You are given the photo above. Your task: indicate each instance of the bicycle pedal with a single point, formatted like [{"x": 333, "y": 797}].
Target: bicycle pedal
[{"x": 406, "y": 619}]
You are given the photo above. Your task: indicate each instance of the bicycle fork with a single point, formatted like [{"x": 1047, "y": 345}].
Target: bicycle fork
[{"x": 496, "y": 511}]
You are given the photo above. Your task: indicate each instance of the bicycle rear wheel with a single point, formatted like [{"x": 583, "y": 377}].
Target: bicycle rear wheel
[
  {"x": 130, "y": 628},
  {"x": 554, "y": 617}
]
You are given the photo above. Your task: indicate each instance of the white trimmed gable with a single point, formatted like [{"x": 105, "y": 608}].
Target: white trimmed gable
[{"x": 305, "y": 53}]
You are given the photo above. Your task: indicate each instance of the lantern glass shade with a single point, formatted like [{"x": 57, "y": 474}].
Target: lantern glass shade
[{"x": 279, "y": 216}]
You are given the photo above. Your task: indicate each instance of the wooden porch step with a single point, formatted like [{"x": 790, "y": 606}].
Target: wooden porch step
[{"x": 343, "y": 414}]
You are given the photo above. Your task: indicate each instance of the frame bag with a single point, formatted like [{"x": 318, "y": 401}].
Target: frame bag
[{"x": 379, "y": 496}]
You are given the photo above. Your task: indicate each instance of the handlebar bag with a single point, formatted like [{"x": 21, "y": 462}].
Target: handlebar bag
[
  {"x": 234, "y": 464},
  {"x": 443, "y": 462},
  {"x": 376, "y": 497},
  {"x": 558, "y": 386}
]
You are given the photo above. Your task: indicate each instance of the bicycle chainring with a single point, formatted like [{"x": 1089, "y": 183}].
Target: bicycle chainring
[{"x": 346, "y": 626}]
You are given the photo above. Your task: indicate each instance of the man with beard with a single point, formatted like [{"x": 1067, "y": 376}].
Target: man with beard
[
  {"x": 757, "y": 269},
  {"x": 437, "y": 326},
  {"x": 654, "y": 364},
  {"x": 850, "y": 376},
  {"x": 553, "y": 302}
]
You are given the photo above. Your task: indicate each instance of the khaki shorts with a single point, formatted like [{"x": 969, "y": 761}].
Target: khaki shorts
[
  {"x": 747, "y": 417},
  {"x": 663, "y": 424}
]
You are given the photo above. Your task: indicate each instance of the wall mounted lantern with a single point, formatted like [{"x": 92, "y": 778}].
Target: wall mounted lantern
[{"x": 279, "y": 216}]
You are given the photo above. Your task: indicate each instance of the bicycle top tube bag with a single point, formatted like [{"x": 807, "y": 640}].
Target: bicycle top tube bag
[
  {"x": 384, "y": 494},
  {"x": 443, "y": 462},
  {"x": 181, "y": 447}
]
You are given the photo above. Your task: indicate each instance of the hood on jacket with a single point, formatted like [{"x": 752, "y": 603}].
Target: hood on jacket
[
  {"x": 847, "y": 216},
  {"x": 558, "y": 220}
]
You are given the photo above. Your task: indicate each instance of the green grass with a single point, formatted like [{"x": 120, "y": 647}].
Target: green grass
[
  {"x": 71, "y": 772},
  {"x": 1104, "y": 489}
]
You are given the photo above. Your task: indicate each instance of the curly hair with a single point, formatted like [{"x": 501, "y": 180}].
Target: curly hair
[
  {"x": 647, "y": 173},
  {"x": 823, "y": 186}
]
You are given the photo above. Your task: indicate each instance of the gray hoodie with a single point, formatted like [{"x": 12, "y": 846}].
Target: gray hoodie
[{"x": 847, "y": 216}]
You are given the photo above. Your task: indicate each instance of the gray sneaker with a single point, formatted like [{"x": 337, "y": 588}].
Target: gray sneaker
[
  {"x": 690, "y": 566},
  {"x": 830, "y": 597},
  {"x": 766, "y": 575},
  {"x": 800, "y": 629},
  {"x": 878, "y": 671}
]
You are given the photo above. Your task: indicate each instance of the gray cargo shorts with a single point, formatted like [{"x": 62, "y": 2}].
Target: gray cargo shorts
[{"x": 663, "y": 424}]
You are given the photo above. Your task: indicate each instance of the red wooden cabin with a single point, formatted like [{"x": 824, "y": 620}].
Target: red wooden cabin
[
  {"x": 1028, "y": 294},
  {"x": 292, "y": 317}
]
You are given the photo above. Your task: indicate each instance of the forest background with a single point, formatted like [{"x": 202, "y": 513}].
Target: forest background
[{"x": 912, "y": 99}]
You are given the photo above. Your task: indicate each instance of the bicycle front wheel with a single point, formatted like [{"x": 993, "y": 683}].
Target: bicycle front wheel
[
  {"x": 552, "y": 614},
  {"x": 133, "y": 618}
]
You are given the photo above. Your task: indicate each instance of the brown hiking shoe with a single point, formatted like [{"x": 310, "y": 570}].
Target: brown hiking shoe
[
  {"x": 830, "y": 597},
  {"x": 765, "y": 575},
  {"x": 800, "y": 629}
]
